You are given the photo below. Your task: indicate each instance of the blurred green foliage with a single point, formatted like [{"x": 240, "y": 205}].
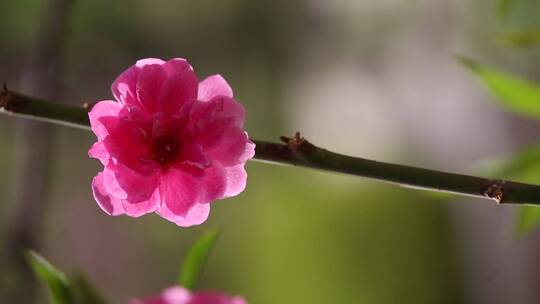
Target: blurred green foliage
[
  {"x": 520, "y": 22},
  {"x": 523, "y": 167},
  {"x": 59, "y": 288},
  {"x": 516, "y": 94},
  {"x": 522, "y": 97},
  {"x": 62, "y": 289}
]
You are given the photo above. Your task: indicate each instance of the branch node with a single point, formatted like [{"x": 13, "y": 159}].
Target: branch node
[
  {"x": 495, "y": 190},
  {"x": 294, "y": 143},
  {"x": 298, "y": 144}
]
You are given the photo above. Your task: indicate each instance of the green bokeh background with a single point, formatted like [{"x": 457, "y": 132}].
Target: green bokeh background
[{"x": 295, "y": 235}]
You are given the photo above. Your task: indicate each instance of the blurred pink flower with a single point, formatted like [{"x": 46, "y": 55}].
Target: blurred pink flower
[
  {"x": 169, "y": 144},
  {"x": 179, "y": 295}
]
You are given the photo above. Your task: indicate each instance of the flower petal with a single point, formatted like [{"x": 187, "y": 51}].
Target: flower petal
[
  {"x": 127, "y": 184},
  {"x": 176, "y": 295},
  {"x": 220, "y": 110},
  {"x": 125, "y": 85},
  {"x": 179, "y": 192},
  {"x": 171, "y": 295},
  {"x": 108, "y": 203},
  {"x": 213, "y": 86},
  {"x": 175, "y": 65},
  {"x": 147, "y": 61},
  {"x": 99, "y": 151},
  {"x": 184, "y": 196},
  {"x": 102, "y": 109},
  {"x": 127, "y": 142},
  {"x": 217, "y": 125},
  {"x": 213, "y": 183},
  {"x": 143, "y": 207},
  {"x": 236, "y": 180},
  {"x": 232, "y": 148},
  {"x": 149, "y": 86},
  {"x": 197, "y": 215},
  {"x": 179, "y": 88},
  {"x": 207, "y": 297},
  {"x": 192, "y": 154}
]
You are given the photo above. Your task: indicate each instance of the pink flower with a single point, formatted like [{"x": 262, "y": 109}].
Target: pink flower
[
  {"x": 179, "y": 295},
  {"x": 169, "y": 144}
]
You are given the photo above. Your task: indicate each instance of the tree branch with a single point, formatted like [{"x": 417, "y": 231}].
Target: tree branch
[{"x": 299, "y": 152}]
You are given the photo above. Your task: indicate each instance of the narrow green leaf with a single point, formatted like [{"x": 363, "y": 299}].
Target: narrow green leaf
[
  {"x": 55, "y": 280},
  {"x": 195, "y": 260},
  {"x": 523, "y": 167},
  {"x": 518, "y": 95},
  {"x": 84, "y": 292}
]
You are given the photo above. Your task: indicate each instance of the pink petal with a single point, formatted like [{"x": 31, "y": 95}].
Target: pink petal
[
  {"x": 197, "y": 215},
  {"x": 214, "y": 86},
  {"x": 149, "y": 86},
  {"x": 175, "y": 65},
  {"x": 157, "y": 86},
  {"x": 193, "y": 155},
  {"x": 213, "y": 183},
  {"x": 176, "y": 295},
  {"x": 238, "y": 300},
  {"x": 129, "y": 185},
  {"x": 102, "y": 109},
  {"x": 215, "y": 298},
  {"x": 143, "y": 207},
  {"x": 171, "y": 295},
  {"x": 108, "y": 203},
  {"x": 236, "y": 180},
  {"x": 124, "y": 86},
  {"x": 179, "y": 192},
  {"x": 217, "y": 126},
  {"x": 232, "y": 148},
  {"x": 147, "y": 61},
  {"x": 186, "y": 198},
  {"x": 99, "y": 151},
  {"x": 179, "y": 88},
  {"x": 220, "y": 110},
  {"x": 127, "y": 142}
]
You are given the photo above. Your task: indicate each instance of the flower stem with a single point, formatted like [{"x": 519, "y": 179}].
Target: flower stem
[{"x": 299, "y": 152}]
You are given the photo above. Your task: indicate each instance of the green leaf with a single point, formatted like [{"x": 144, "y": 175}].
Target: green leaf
[
  {"x": 195, "y": 260},
  {"x": 516, "y": 94},
  {"x": 55, "y": 280},
  {"x": 84, "y": 292},
  {"x": 523, "y": 167}
]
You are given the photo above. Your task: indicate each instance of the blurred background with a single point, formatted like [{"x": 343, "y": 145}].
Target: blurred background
[{"x": 376, "y": 79}]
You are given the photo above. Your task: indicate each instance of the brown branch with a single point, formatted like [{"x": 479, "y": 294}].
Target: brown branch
[{"x": 298, "y": 151}]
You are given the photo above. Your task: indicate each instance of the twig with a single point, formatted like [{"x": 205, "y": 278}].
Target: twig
[{"x": 298, "y": 151}]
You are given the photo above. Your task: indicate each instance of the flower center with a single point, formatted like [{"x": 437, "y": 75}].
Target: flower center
[{"x": 165, "y": 149}]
